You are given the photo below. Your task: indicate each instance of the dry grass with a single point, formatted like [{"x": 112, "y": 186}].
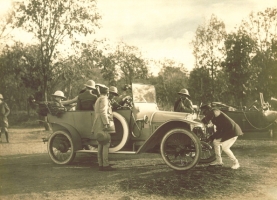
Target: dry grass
[{"x": 26, "y": 172}]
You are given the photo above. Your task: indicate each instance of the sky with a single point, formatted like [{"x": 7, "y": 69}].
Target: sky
[{"x": 165, "y": 28}]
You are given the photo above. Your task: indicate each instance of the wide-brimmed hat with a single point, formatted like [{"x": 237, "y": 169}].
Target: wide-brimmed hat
[
  {"x": 184, "y": 91},
  {"x": 1, "y": 97},
  {"x": 90, "y": 84},
  {"x": 59, "y": 93},
  {"x": 102, "y": 88},
  {"x": 114, "y": 90},
  {"x": 103, "y": 138}
]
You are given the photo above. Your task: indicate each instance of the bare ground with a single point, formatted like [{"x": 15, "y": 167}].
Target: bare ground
[{"x": 26, "y": 172}]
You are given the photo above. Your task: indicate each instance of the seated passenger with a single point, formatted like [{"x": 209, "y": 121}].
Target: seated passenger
[
  {"x": 126, "y": 98},
  {"x": 58, "y": 96},
  {"x": 56, "y": 107},
  {"x": 183, "y": 104},
  {"x": 112, "y": 95},
  {"x": 87, "y": 99},
  {"x": 75, "y": 99}
]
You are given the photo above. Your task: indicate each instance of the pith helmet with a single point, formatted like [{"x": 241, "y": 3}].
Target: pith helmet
[
  {"x": 102, "y": 88},
  {"x": 184, "y": 91},
  {"x": 114, "y": 90},
  {"x": 103, "y": 138},
  {"x": 59, "y": 93},
  {"x": 1, "y": 96},
  {"x": 90, "y": 84}
]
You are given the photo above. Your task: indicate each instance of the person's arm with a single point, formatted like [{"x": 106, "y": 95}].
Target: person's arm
[
  {"x": 208, "y": 117},
  {"x": 74, "y": 100},
  {"x": 7, "y": 110},
  {"x": 187, "y": 106},
  {"x": 103, "y": 109}
]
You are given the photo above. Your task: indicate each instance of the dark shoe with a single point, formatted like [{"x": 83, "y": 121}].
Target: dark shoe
[
  {"x": 100, "y": 168},
  {"x": 108, "y": 168},
  {"x": 7, "y": 137}
]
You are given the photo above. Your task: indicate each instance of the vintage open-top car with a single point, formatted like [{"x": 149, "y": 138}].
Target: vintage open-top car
[{"x": 140, "y": 127}]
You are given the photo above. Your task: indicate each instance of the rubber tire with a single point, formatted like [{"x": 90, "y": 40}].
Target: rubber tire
[
  {"x": 125, "y": 132},
  {"x": 50, "y": 148},
  {"x": 195, "y": 140},
  {"x": 209, "y": 159}
]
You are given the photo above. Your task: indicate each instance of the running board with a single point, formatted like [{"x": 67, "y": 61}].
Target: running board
[{"x": 117, "y": 152}]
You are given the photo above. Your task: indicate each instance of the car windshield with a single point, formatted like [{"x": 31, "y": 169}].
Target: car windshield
[{"x": 143, "y": 93}]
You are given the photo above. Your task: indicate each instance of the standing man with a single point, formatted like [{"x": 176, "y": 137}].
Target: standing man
[
  {"x": 227, "y": 132},
  {"x": 101, "y": 122},
  {"x": 183, "y": 104},
  {"x": 4, "y": 112},
  {"x": 87, "y": 99}
]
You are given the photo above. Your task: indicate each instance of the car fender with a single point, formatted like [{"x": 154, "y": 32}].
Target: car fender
[
  {"x": 72, "y": 131},
  {"x": 160, "y": 132}
]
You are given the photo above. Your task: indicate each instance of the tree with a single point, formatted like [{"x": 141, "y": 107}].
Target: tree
[
  {"x": 200, "y": 82},
  {"x": 261, "y": 28},
  {"x": 170, "y": 80},
  {"x": 6, "y": 20},
  {"x": 208, "y": 47},
  {"x": 239, "y": 51},
  {"x": 126, "y": 63},
  {"x": 54, "y": 23},
  {"x": 12, "y": 74}
]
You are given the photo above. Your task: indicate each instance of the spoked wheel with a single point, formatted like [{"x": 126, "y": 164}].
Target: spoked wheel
[
  {"x": 60, "y": 148},
  {"x": 207, "y": 154},
  {"x": 180, "y": 149}
]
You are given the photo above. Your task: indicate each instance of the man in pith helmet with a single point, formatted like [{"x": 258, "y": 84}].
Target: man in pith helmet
[
  {"x": 87, "y": 99},
  {"x": 4, "y": 112},
  {"x": 112, "y": 95},
  {"x": 183, "y": 104},
  {"x": 58, "y": 97}
]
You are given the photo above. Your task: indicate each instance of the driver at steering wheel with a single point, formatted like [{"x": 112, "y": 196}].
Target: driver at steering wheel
[
  {"x": 126, "y": 97},
  {"x": 113, "y": 93}
]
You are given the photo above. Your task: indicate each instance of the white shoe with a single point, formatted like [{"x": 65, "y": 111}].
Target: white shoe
[
  {"x": 236, "y": 165},
  {"x": 214, "y": 163}
]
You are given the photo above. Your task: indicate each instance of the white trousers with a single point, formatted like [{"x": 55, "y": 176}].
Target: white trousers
[{"x": 226, "y": 145}]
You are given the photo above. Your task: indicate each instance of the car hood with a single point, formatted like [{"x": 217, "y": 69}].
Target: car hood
[{"x": 163, "y": 116}]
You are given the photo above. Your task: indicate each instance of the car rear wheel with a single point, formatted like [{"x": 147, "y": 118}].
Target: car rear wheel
[
  {"x": 60, "y": 148},
  {"x": 180, "y": 149}
]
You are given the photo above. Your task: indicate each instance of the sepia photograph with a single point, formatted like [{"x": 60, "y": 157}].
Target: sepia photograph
[{"x": 138, "y": 99}]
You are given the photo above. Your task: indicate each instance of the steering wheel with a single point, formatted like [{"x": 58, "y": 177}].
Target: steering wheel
[{"x": 128, "y": 101}]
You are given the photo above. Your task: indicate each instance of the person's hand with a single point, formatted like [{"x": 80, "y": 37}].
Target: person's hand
[
  {"x": 210, "y": 139},
  {"x": 106, "y": 126}
]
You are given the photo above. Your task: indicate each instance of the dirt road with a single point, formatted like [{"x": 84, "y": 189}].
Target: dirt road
[{"x": 26, "y": 172}]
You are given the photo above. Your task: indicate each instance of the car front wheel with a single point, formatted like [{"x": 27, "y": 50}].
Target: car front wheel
[{"x": 180, "y": 149}]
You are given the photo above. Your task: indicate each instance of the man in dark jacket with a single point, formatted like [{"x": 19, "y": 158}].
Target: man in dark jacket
[
  {"x": 87, "y": 99},
  {"x": 227, "y": 132}
]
